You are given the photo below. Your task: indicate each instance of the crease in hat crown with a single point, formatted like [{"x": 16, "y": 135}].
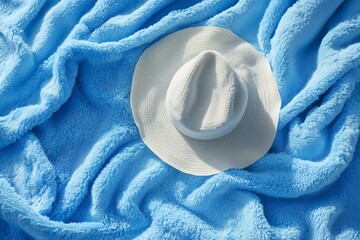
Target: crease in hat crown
[{"x": 206, "y": 98}]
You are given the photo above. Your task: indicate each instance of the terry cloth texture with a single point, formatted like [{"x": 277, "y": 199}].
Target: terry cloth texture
[{"x": 73, "y": 166}]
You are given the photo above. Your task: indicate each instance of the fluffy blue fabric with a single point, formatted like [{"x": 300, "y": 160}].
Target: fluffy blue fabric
[{"x": 72, "y": 164}]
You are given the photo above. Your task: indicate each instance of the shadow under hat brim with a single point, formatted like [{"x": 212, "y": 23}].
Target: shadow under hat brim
[{"x": 248, "y": 142}]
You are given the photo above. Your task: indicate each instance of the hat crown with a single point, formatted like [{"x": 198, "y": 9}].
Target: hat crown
[{"x": 206, "y": 98}]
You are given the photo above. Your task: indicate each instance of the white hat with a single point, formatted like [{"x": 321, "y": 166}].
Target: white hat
[{"x": 204, "y": 101}]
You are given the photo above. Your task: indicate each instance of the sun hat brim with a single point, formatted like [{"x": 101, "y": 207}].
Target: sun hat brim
[{"x": 248, "y": 142}]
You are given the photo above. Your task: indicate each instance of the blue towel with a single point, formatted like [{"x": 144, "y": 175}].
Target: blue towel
[{"x": 72, "y": 163}]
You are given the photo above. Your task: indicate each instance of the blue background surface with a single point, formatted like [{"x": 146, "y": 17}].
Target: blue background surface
[{"x": 72, "y": 163}]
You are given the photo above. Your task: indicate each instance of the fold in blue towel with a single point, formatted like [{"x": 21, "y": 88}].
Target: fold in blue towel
[{"x": 72, "y": 164}]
